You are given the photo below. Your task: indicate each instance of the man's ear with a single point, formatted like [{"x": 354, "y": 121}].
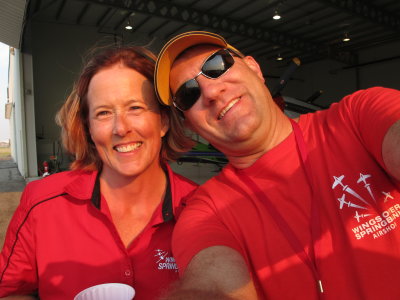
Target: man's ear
[{"x": 253, "y": 64}]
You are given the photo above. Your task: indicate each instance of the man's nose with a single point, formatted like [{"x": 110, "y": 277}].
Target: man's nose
[
  {"x": 121, "y": 125},
  {"x": 211, "y": 89}
]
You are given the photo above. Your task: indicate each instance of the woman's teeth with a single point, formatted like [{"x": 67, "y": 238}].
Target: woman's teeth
[
  {"x": 128, "y": 148},
  {"x": 227, "y": 108}
]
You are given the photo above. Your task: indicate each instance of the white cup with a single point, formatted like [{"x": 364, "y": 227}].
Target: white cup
[{"x": 107, "y": 291}]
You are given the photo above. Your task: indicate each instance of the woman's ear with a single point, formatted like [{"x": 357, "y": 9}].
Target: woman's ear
[
  {"x": 253, "y": 65},
  {"x": 164, "y": 123}
]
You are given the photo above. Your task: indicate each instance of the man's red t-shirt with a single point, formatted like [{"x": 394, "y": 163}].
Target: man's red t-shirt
[{"x": 358, "y": 207}]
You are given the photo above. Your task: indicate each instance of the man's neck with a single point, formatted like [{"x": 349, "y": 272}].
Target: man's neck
[{"x": 281, "y": 130}]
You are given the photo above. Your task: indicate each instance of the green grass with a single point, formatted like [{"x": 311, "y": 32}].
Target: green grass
[{"x": 5, "y": 152}]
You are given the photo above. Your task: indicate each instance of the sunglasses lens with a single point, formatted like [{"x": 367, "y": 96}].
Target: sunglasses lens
[
  {"x": 187, "y": 95},
  {"x": 217, "y": 64}
]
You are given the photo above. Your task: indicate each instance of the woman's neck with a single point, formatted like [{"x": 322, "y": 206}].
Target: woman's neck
[
  {"x": 143, "y": 190},
  {"x": 133, "y": 201}
]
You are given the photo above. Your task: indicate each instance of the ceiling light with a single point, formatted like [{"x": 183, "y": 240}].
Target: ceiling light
[
  {"x": 128, "y": 26},
  {"x": 346, "y": 37},
  {"x": 276, "y": 16},
  {"x": 279, "y": 57}
]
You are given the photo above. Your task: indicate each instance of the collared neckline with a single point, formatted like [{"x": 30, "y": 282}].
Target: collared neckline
[
  {"x": 167, "y": 207},
  {"x": 81, "y": 187}
]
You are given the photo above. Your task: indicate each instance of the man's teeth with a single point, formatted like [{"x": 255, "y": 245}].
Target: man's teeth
[
  {"x": 228, "y": 107},
  {"x": 128, "y": 148}
]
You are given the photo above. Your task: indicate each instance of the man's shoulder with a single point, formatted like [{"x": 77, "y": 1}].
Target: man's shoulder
[
  {"x": 369, "y": 102},
  {"x": 374, "y": 92},
  {"x": 218, "y": 184},
  {"x": 364, "y": 99}
]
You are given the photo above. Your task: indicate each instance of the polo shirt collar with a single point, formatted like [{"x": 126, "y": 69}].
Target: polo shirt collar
[
  {"x": 167, "y": 207},
  {"x": 81, "y": 187}
]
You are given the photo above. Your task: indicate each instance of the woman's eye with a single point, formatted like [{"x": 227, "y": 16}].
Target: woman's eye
[
  {"x": 135, "y": 107},
  {"x": 102, "y": 113}
]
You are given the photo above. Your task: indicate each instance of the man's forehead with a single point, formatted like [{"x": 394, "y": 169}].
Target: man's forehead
[{"x": 194, "y": 52}]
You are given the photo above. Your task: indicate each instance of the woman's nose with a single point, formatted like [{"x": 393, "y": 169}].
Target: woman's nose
[{"x": 121, "y": 124}]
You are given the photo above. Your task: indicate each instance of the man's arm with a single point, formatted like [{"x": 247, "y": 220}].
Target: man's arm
[
  {"x": 216, "y": 272},
  {"x": 391, "y": 150}
]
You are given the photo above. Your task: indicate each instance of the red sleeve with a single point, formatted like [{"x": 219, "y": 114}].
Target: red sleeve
[
  {"x": 372, "y": 112},
  {"x": 198, "y": 228},
  {"x": 18, "y": 274}
]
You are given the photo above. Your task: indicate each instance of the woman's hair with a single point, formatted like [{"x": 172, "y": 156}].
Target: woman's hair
[{"x": 73, "y": 115}]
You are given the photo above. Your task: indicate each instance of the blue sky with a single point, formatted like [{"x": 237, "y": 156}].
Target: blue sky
[{"x": 4, "y": 124}]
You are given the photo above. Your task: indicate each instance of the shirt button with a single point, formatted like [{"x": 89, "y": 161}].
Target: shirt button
[{"x": 128, "y": 273}]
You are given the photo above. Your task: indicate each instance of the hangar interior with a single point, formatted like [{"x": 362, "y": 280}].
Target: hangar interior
[{"x": 343, "y": 46}]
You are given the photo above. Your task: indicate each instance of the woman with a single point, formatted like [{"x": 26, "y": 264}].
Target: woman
[{"x": 110, "y": 218}]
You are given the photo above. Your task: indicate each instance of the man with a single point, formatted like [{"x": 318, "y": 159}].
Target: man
[{"x": 307, "y": 208}]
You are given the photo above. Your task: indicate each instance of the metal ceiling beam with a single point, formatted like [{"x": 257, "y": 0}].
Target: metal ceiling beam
[
  {"x": 192, "y": 16},
  {"x": 123, "y": 20},
  {"x": 163, "y": 24},
  {"x": 138, "y": 25},
  {"x": 216, "y": 5},
  {"x": 371, "y": 43},
  {"x": 178, "y": 29},
  {"x": 234, "y": 9},
  {"x": 262, "y": 10},
  {"x": 37, "y": 6},
  {"x": 367, "y": 11},
  {"x": 107, "y": 13},
  {"x": 60, "y": 10},
  {"x": 308, "y": 19},
  {"x": 82, "y": 13}
]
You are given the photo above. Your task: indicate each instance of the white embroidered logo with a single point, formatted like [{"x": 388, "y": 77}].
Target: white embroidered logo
[
  {"x": 165, "y": 262},
  {"x": 378, "y": 224}
]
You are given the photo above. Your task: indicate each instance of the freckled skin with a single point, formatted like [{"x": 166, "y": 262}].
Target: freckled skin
[{"x": 123, "y": 110}]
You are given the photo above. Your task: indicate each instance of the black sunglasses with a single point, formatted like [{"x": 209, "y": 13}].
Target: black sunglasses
[{"x": 216, "y": 65}]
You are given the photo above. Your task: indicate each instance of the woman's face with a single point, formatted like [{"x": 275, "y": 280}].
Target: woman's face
[{"x": 125, "y": 121}]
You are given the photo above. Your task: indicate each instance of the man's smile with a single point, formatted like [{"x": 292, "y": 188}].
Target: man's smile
[{"x": 227, "y": 108}]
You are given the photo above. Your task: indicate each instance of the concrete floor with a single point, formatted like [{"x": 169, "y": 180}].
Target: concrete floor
[{"x": 11, "y": 187}]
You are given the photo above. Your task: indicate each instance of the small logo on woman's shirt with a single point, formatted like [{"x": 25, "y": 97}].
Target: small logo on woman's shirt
[{"x": 164, "y": 261}]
